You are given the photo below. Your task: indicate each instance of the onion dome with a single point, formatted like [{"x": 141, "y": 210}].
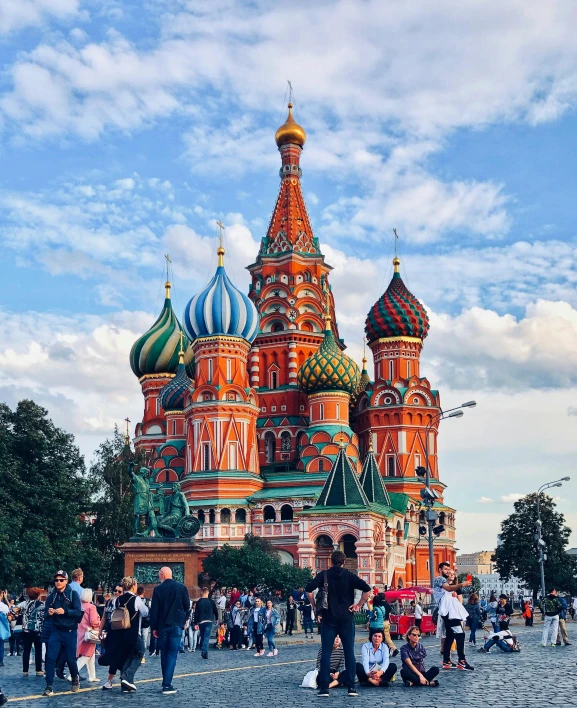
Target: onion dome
[
  {"x": 221, "y": 309},
  {"x": 173, "y": 395},
  {"x": 397, "y": 313},
  {"x": 328, "y": 369},
  {"x": 156, "y": 351},
  {"x": 290, "y": 131}
]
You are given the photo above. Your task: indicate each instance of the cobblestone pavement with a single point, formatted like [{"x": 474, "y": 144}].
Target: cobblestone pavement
[{"x": 536, "y": 676}]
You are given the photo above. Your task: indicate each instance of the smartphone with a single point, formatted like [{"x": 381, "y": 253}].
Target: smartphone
[{"x": 469, "y": 578}]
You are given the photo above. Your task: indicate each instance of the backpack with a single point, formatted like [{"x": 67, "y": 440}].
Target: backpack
[
  {"x": 4, "y": 627},
  {"x": 31, "y": 615},
  {"x": 322, "y": 598},
  {"x": 551, "y": 606},
  {"x": 120, "y": 618}
]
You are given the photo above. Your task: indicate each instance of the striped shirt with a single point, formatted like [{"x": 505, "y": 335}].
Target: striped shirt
[{"x": 337, "y": 659}]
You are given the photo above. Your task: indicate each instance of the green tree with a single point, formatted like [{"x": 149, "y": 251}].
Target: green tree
[
  {"x": 44, "y": 495},
  {"x": 476, "y": 582},
  {"x": 254, "y": 564},
  {"x": 517, "y": 554},
  {"x": 112, "y": 507}
]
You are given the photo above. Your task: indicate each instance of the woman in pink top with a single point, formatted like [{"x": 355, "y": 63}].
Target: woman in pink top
[{"x": 90, "y": 620}]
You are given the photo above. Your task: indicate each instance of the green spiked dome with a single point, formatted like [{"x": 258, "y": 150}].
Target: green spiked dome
[
  {"x": 328, "y": 369},
  {"x": 397, "y": 313},
  {"x": 156, "y": 352},
  {"x": 342, "y": 487}
]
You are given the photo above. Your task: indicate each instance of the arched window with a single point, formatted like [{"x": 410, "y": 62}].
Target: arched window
[
  {"x": 269, "y": 514},
  {"x": 277, "y": 327},
  {"x": 200, "y": 515},
  {"x": 285, "y": 441},
  {"x": 240, "y": 516},
  {"x": 269, "y": 447},
  {"x": 225, "y": 516},
  {"x": 348, "y": 545},
  {"x": 442, "y": 517},
  {"x": 286, "y": 512},
  {"x": 211, "y": 516},
  {"x": 321, "y": 465},
  {"x": 324, "y": 541}
]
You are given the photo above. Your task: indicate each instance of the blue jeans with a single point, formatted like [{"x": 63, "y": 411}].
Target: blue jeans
[
  {"x": 205, "y": 632},
  {"x": 1, "y": 651},
  {"x": 500, "y": 643},
  {"x": 345, "y": 629},
  {"x": 307, "y": 624},
  {"x": 168, "y": 643},
  {"x": 67, "y": 641},
  {"x": 269, "y": 631}
]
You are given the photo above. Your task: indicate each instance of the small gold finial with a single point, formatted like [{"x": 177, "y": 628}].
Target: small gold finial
[
  {"x": 341, "y": 439},
  {"x": 167, "y": 285},
  {"x": 370, "y": 441},
  {"x": 181, "y": 351},
  {"x": 327, "y": 308},
  {"x": 364, "y": 354},
  {"x": 127, "y": 433},
  {"x": 396, "y": 259},
  {"x": 397, "y": 264},
  {"x": 220, "y": 250}
]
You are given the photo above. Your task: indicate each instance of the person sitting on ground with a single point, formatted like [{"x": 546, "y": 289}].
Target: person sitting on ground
[
  {"x": 336, "y": 667},
  {"x": 413, "y": 655},
  {"x": 506, "y": 642},
  {"x": 375, "y": 669},
  {"x": 379, "y": 621}
]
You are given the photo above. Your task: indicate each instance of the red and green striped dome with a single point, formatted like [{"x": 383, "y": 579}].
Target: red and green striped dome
[{"x": 397, "y": 313}]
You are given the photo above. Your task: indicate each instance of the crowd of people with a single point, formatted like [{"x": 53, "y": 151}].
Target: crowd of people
[{"x": 73, "y": 627}]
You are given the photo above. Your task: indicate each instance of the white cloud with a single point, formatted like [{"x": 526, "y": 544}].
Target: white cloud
[
  {"x": 484, "y": 500},
  {"x": 511, "y": 498},
  {"x": 17, "y": 14}
]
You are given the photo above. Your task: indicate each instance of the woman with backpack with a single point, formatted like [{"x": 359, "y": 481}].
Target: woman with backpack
[
  {"x": 87, "y": 635},
  {"x": 32, "y": 621},
  {"x": 379, "y": 621},
  {"x": 127, "y": 646}
]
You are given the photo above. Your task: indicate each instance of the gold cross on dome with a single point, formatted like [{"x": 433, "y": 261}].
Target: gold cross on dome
[
  {"x": 396, "y": 242},
  {"x": 220, "y": 230},
  {"x": 181, "y": 338}
]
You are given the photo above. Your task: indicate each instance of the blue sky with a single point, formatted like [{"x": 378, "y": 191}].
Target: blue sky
[{"x": 127, "y": 128}]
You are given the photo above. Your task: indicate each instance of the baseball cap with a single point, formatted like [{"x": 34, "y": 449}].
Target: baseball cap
[{"x": 61, "y": 574}]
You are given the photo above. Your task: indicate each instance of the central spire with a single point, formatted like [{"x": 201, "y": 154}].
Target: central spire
[{"x": 290, "y": 228}]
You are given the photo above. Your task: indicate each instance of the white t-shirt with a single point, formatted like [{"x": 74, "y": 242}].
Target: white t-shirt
[
  {"x": 221, "y": 602},
  {"x": 418, "y": 612},
  {"x": 4, "y": 608}
]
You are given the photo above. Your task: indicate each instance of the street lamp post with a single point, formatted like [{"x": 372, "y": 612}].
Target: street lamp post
[
  {"x": 539, "y": 529},
  {"x": 428, "y": 494}
]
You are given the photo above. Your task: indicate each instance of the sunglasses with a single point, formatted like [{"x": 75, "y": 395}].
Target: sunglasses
[
  {"x": 414, "y": 634},
  {"x": 119, "y": 592},
  {"x": 59, "y": 580}
]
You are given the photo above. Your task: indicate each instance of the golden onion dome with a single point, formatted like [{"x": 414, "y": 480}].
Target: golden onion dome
[{"x": 290, "y": 131}]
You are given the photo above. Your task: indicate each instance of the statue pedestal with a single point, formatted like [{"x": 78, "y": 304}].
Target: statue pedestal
[{"x": 144, "y": 557}]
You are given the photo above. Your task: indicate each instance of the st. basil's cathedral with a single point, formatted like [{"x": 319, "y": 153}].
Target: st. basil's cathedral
[{"x": 270, "y": 427}]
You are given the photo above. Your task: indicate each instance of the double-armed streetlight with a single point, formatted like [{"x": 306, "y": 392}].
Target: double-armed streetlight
[
  {"x": 429, "y": 495},
  {"x": 539, "y": 528}
]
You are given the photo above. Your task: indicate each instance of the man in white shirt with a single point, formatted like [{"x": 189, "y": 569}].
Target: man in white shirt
[
  {"x": 504, "y": 640},
  {"x": 221, "y": 606},
  {"x": 418, "y": 610},
  {"x": 376, "y": 669}
]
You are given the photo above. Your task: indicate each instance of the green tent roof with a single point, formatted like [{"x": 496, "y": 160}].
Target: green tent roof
[
  {"x": 372, "y": 481},
  {"x": 342, "y": 487}
]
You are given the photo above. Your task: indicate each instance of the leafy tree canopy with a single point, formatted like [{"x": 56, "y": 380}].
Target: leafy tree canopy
[
  {"x": 517, "y": 554},
  {"x": 476, "y": 582},
  {"x": 43, "y": 496},
  {"x": 254, "y": 564}
]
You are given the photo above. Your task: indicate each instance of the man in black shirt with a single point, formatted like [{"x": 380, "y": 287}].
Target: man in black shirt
[
  {"x": 338, "y": 618},
  {"x": 169, "y": 613}
]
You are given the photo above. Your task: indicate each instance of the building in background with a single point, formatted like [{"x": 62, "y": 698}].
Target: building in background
[
  {"x": 254, "y": 407},
  {"x": 493, "y": 583},
  {"x": 478, "y": 563}
]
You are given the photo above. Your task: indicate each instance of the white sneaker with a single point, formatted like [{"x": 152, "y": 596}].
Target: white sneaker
[
  {"x": 275, "y": 652},
  {"x": 107, "y": 686},
  {"x": 258, "y": 653},
  {"x": 270, "y": 653},
  {"x": 94, "y": 680}
]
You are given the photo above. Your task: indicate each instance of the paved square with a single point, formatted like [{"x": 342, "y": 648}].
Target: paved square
[{"x": 536, "y": 676}]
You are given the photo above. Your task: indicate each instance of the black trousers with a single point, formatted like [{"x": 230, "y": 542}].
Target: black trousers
[
  {"x": 418, "y": 624},
  {"x": 258, "y": 641},
  {"x": 390, "y": 671},
  {"x": 29, "y": 640},
  {"x": 451, "y": 637},
  {"x": 409, "y": 675},
  {"x": 236, "y": 637},
  {"x": 133, "y": 661},
  {"x": 290, "y": 624}
]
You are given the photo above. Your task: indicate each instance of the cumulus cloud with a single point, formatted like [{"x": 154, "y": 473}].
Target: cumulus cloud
[
  {"x": 484, "y": 500},
  {"x": 17, "y": 14},
  {"x": 511, "y": 498}
]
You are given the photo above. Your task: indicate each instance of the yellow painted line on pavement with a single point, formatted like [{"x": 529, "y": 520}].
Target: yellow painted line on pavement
[{"x": 179, "y": 676}]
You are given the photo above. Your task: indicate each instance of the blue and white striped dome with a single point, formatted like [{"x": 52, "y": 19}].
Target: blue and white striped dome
[{"x": 221, "y": 309}]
